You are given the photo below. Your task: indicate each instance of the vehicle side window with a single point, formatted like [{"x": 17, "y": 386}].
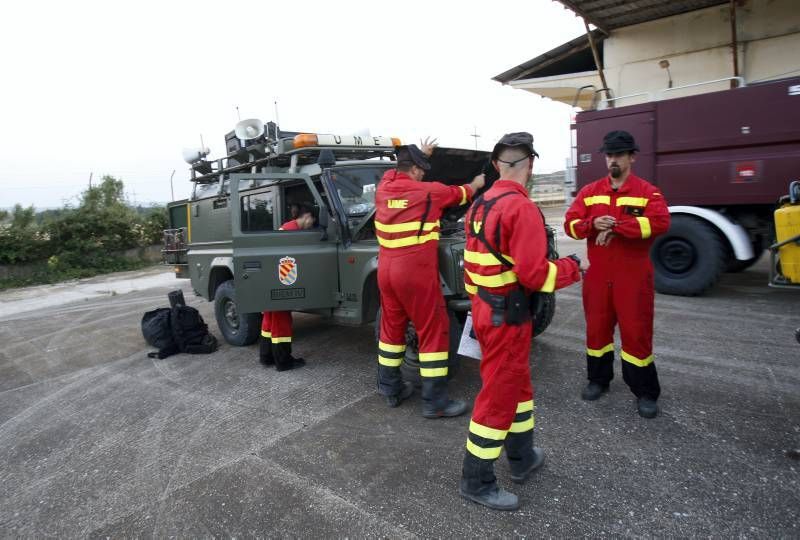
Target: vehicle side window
[{"x": 258, "y": 212}]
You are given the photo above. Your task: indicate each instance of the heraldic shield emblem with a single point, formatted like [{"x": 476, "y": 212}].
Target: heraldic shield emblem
[{"x": 287, "y": 270}]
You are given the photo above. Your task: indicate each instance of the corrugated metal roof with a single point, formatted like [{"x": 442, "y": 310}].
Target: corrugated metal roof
[{"x": 610, "y": 14}]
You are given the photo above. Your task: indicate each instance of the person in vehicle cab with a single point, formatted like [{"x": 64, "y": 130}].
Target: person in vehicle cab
[
  {"x": 619, "y": 215},
  {"x": 505, "y": 261},
  {"x": 407, "y": 227},
  {"x": 275, "y": 347}
]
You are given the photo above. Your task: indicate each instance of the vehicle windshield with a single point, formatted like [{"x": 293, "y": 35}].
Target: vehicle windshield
[{"x": 356, "y": 188}]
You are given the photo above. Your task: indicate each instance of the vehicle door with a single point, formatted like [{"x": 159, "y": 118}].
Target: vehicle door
[{"x": 279, "y": 270}]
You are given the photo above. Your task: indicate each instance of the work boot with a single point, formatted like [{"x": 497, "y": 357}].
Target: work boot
[
  {"x": 435, "y": 403},
  {"x": 265, "y": 352},
  {"x": 453, "y": 407},
  {"x": 593, "y": 391},
  {"x": 478, "y": 484},
  {"x": 284, "y": 360},
  {"x": 523, "y": 457},
  {"x": 647, "y": 407},
  {"x": 405, "y": 393}
]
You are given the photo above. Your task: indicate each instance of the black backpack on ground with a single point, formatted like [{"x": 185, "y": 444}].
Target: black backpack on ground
[{"x": 175, "y": 330}]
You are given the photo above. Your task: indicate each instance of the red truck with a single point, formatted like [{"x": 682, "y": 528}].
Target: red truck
[{"x": 721, "y": 159}]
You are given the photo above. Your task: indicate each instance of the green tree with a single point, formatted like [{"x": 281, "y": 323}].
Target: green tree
[{"x": 20, "y": 240}]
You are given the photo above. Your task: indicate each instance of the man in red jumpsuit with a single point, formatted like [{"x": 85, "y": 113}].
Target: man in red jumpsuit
[
  {"x": 505, "y": 261},
  {"x": 407, "y": 226},
  {"x": 276, "y": 326},
  {"x": 619, "y": 215}
]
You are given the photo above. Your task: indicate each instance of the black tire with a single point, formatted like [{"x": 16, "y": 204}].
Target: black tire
[
  {"x": 238, "y": 329},
  {"x": 545, "y": 309},
  {"x": 410, "y": 365},
  {"x": 689, "y": 258}
]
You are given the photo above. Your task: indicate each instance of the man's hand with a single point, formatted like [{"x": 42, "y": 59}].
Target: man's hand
[
  {"x": 603, "y": 223},
  {"x": 584, "y": 266},
  {"x": 605, "y": 237},
  {"x": 478, "y": 182},
  {"x": 427, "y": 146}
]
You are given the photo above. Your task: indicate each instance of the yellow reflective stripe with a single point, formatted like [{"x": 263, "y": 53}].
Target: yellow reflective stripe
[
  {"x": 483, "y": 453},
  {"x": 497, "y": 280},
  {"x": 432, "y": 356},
  {"x": 463, "y": 195},
  {"x": 572, "y": 227},
  {"x": 521, "y": 427},
  {"x": 550, "y": 282},
  {"x": 406, "y": 227},
  {"x": 471, "y": 289},
  {"x": 597, "y": 199},
  {"x": 391, "y": 348},
  {"x": 644, "y": 224},
  {"x": 266, "y": 334},
  {"x": 600, "y": 352},
  {"x": 632, "y": 201},
  {"x": 641, "y": 362},
  {"x": 433, "y": 372},
  {"x": 281, "y": 340},
  {"x": 484, "y": 259},
  {"x": 487, "y": 432},
  {"x": 525, "y": 406},
  {"x": 389, "y": 362},
  {"x": 410, "y": 241}
]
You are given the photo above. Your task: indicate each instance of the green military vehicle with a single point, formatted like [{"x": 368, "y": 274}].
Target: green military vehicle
[{"x": 225, "y": 238}]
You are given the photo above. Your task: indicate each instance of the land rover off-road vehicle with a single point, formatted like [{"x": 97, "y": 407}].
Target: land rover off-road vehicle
[{"x": 225, "y": 238}]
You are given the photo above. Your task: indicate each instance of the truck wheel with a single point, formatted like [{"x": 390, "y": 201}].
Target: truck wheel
[
  {"x": 410, "y": 365},
  {"x": 689, "y": 258},
  {"x": 545, "y": 309},
  {"x": 239, "y": 329},
  {"x": 735, "y": 265}
]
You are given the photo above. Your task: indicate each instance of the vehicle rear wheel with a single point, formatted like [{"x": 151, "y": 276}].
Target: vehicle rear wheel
[
  {"x": 410, "y": 366},
  {"x": 689, "y": 258},
  {"x": 239, "y": 329},
  {"x": 735, "y": 265}
]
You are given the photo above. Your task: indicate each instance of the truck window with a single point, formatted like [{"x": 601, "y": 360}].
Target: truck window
[
  {"x": 356, "y": 188},
  {"x": 201, "y": 191},
  {"x": 258, "y": 212}
]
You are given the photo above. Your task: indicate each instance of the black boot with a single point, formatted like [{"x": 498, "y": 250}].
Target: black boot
[
  {"x": 435, "y": 403},
  {"x": 523, "y": 457},
  {"x": 396, "y": 399},
  {"x": 479, "y": 485},
  {"x": 265, "y": 352},
  {"x": 593, "y": 391},
  {"x": 284, "y": 360}
]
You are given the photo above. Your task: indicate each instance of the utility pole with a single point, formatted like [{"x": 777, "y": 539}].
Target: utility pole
[
  {"x": 475, "y": 136},
  {"x": 90, "y": 180},
  {"x": 171, "y": 189}
]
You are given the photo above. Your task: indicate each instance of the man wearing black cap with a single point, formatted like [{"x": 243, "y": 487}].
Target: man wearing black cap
[
  {"x": 505, "y": 261},
  {"x": 619, "y": 215},
  {"x": 407, "y": 227}
]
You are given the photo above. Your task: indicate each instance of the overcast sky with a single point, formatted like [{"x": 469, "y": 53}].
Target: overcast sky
[{"x": 120, "y": 88}]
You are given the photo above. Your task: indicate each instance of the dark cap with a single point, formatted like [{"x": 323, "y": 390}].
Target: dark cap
[
  {"x": 521, "y": 138},
  {"x": 410, "y": 154},
  {"x": 618, "y": 141}
]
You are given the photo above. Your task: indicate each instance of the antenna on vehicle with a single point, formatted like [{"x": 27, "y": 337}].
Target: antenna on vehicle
[
  {"x": 239, "y": 116},
  {"x": 277, "y": 122}
]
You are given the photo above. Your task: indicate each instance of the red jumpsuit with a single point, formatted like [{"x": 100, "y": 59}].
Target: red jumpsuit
[
  {"x": 407, "y": 226},
  {"x": 276, "y": 326},
  {"x": 504, "y": 407},
  {"x": 618, "y": 287}
]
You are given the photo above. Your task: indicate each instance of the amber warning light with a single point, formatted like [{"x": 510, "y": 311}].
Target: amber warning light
[{"x": 304, "y": 140}]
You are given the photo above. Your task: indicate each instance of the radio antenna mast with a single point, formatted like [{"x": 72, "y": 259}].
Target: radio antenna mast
[{"x": 277, "y": 122}]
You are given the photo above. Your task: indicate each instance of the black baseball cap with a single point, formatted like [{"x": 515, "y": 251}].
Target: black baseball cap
[
  {"x": 412, "y": 155},
  {"x": 618, "y": 141},
  {"x": 521, "y": 138}
]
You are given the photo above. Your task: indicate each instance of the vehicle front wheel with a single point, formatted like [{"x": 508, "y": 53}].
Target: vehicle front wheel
[
  {"x": 239, "y": 329},
  {"x": 410, "y": 366}
]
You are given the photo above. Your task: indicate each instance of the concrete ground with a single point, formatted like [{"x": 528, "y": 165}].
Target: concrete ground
[{"x": 98, "y": 440}]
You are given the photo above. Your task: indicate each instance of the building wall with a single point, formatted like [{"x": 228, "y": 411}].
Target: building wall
[{"x": 697, "y": 46}]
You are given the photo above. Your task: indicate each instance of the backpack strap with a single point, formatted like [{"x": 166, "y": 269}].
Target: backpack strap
[{"x": 480, "y": 234}]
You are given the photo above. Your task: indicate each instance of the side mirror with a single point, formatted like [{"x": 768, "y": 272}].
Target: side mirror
[{"x": 323, "y": 223}]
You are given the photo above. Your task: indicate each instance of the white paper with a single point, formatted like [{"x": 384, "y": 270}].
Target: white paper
[{"x": 468, "y": 346}]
